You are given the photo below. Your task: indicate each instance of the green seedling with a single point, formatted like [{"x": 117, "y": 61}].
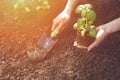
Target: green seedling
[{"x": 84, "y": 24}]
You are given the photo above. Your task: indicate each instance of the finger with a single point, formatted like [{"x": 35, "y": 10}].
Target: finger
[
  {"x": 99, "y": 38},
  {"x": 92, "y": 45},
  {"x": 100, "y": 33},
  {"x": 56, "y": 22},
  {"x": 79, "y": 46},
  {"x": 96, "y": 42},
  {"x": 59, "y": 27},
  {"x": 98, "y": 28},
  {"x": 54, "y": 26},
  {"x": 64, "y": 26},
  {"x": 75, "y": 43}
]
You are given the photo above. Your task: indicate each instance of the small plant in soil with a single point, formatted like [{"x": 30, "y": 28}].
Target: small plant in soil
[{"x": 86, "y": 32}]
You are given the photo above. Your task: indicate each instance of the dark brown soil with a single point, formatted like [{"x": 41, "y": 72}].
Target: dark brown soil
[
  {"x": 64, "y": 62},
  {"x": 84, "y": 41}
]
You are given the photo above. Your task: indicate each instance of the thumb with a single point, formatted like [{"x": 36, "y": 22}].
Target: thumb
[
  {"x": 98, "y": 28},
  {"x": 58, "y": 29},
  {"x": 55, "y": 24},
  {"x": 99, "y": 38}
]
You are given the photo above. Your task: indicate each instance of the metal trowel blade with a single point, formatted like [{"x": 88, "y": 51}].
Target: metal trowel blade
[{"x": 46, "y": 42}]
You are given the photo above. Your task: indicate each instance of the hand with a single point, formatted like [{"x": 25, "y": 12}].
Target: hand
[
  {"x": 60, "y": 22},
  {"x": 102, "y": 33}
]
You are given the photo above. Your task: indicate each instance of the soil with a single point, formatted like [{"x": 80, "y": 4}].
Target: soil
[
  {"x": 84, "y": 41},
  {"x": 64, "y": 62}
]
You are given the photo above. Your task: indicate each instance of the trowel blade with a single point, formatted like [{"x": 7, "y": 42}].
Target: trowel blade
[{"x": 46, "y": 42}]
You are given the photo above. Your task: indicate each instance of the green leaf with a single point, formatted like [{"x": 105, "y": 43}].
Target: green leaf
[
  {"x": 83, "y": 13},
  {"x": 91, "y": 15},
  {"x": 87, "y": 26},
  {"x": 92, "y": 27},
  {"x": 92, "y": 33},
  {"x": 83, "y": 32},
  {"x": 81, "y": 27},
  {"x": 81, "y": 21},
  {"x": 78, "y": 10},
  {"x": 90, "y": 22},
  {"x": 88, "y": 6},
  {"x": 75, "y": 26}
]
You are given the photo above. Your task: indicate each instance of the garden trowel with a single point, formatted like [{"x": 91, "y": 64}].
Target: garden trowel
[{"x": 46, "y": 42}]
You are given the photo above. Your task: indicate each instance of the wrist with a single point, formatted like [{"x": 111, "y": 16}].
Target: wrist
[
  {"x": 68, "y": 10},
  {"x": 70, "y": 6},
  {"x": 107, "y": 29},
  {"x": 112, "y": 26}
]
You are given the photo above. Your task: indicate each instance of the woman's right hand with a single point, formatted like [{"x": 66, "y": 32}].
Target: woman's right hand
[{"x": 60, "y": 22}]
